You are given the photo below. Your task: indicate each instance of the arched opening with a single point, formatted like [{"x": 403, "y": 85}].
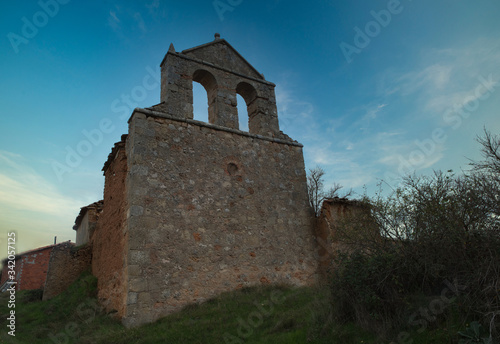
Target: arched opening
[
  {"x": 248, "y": 110},
  {"x": 200, "y": 105},
  {"x": 207, "y": 80},
  {"x": 242, "y": 113}
]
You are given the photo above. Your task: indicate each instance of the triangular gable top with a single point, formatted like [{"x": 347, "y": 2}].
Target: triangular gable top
[{"x": 220, "y": 53}]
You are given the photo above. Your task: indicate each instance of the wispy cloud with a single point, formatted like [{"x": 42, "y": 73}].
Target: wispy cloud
[
  {"x": 140, "y": 22},
  {"x": 158, "y": 12},
  {"x": 31, "y": 191},
  {"x": 32, "y": 206},
  {"x": 433, "y": 77},
  {"x": 443, "y": 80},
  {"x": 341, "y": 165},
  {"x": 124, "y": 20},
  {"x": 113, "y": 21},
  {"x": 445, "y": 76},
  {"x": 336, "y": 149},
  {"x": 391, "y": 130},
  {"x": 370, "y": 114},
  {"x": 153, "y": 6},
  {"x": 294, "y": 113}
]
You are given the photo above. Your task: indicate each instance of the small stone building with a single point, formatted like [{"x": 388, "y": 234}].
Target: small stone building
[
  {"x": 86, "y": 222},
  {"x": 192, "y": 209}
]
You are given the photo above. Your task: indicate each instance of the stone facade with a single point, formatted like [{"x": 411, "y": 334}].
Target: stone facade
[{"x": 192, "y": 209}]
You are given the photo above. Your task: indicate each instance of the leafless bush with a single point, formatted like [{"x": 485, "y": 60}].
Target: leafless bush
[
  {"x": 432, "y": 229},
  {"x": 316, "y": 189}
]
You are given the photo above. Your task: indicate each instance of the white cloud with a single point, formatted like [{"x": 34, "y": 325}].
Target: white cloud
[
  {"x": 326, "y": 143},
  {"x": 123, "y": 20},
  {"x": 140, "y": 22},
  {"x": 411, "y": 156},
  {"x": 433, "y": 77},
  {"x": 324, "y": 155},
  {"x": 378, "y": 136},
  {"x": 445, "y": 76},
  {"x": 371, "y": 114},
  {"x": 158, "y": 12},
  {"x": 443, "y": 81},
  {"x": 155, "y": 4},
  {"x": 21, "y": 188},
  {"x": 113, "y": 16},
  {"x": 113, "y": 21},
  {"x": 294, "y": 114},
  {"x": 23, "y": 191}
]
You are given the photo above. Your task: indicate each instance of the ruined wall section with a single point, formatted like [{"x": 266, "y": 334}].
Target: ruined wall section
[
  {"x": 343, "y": 226},
  {"x": 110, "y": 238},
  {"x": 211, "y": 210},
  {"x": 66, "y": 264},
  {"x": 86, "y": 222},
  {"x": 83, "y": 231}
]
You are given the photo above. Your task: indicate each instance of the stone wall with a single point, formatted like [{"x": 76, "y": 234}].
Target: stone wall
[
  {"x": 210, "y": 209},
  {"x": 109, "y": 238},
  {"x": 67, "y": 262}
]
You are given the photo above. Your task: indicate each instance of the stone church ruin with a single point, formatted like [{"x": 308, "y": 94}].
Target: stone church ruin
[{"x": 192, "y": 209}]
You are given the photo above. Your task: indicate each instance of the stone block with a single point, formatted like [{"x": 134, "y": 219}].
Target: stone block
[{"x": 138, "y": 284}]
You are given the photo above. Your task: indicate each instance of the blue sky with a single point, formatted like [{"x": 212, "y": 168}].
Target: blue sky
[{"x": 373, "y": 89}]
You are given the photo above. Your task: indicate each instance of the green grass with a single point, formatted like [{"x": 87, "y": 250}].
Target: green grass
[{"x": 276, "y": 314}]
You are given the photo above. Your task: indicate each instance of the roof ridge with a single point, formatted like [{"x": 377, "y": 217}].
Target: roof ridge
[{"x": 18, "y": 255}]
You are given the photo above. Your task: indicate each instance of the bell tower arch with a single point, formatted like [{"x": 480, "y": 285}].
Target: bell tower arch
[{"x": 223, "y": 72}]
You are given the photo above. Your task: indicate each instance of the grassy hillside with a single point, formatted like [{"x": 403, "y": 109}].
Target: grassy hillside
[{"x": 252, "y": 315}]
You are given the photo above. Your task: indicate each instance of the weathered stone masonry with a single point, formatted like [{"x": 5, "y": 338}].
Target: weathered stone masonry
[
  {"x": 66, "y": 264},
  {"x": 192, "y": 209},
  {"x": 109, "y": 240}
]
